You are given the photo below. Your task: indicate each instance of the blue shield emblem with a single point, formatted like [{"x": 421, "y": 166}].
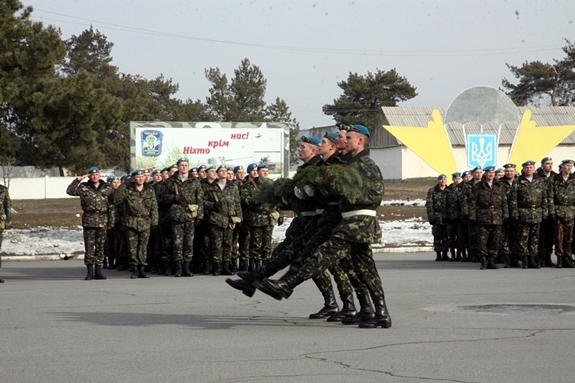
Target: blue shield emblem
[
  {"x": 151, "y": 143},
  {"x": 481, "y": 150}
]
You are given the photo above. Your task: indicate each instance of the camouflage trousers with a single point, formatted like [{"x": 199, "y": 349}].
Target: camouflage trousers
[
  {"x": 440, "y": 238},
  {"x": 167, "y": 243},
  {"x": 183, "y": 240},
  {"x": 506, "y": 242},
  {"x": 546, "y": 239},
  {"x": 1, "y": 236},
  {"x": 109, "y": 246},
  {"x": 472, "y": 236},
  {"x": 94, "y": 241},
  {"x": 200, "y": 250},
  {"x": 293, "y": 232},
  {"x": 241, "y": 242},
  {"x": 138, "y": 246},
  {"x": 260, "y": 242},
  {"x": 462, "y": 235},
  {"x": 221, "y": 241},
  {"x": 563, "y": 231},
  {"x": 122, "y": 244},
  {"x": 527, "y": 239},
  {"x": 452, "y": 238},
  {"x": 155, "y": 247},
  {"x": 488, "y": 237}
]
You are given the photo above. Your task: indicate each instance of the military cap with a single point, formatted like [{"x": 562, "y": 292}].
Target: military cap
[
  {"x": 209, "y": 167},
  {"x": 465, "y": 173},
  {"x": 252, "y": 167},
  {"x": 538, "y": 169},
  {"x": 183, "y": 159},
  {"x": 498, "y": 170},
  {"x": 201, "y": 167},
  {"x": 567, "y": 162},
  {"x": 236, "y": 168},
  {"x": 527, "y": 163},
  {"x": 262, "y": 166},
  {"x": 109, "y": 178},
  {"x": 230, "y": 168},
  {"x": 456, "y": 174},
  {"x": 193, "y": 170},
  {"x": 310, "y": 140},
  {"x": 174, "y": 166},
  {"x": 156, "y": 171},
  {"x": 360, "y": 129},
  {"x": 136, "y": 172},
  {"x": 146, "y": 171},
  {"x": 507, "y": 166},
  {"x": 475, "y": 168},
  {"x": 124, "y": 176},
  {"x": 545, "y": 159},
  {"x": 331, "y": 136},
  {"x": 220, "y": 167},
  {"x": 489, "y": 168},
  {"x": 441, "y": 176},
  {"x": 93, "y": 170}
]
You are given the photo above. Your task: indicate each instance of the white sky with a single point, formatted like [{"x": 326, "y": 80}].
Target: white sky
[{"x": 305, "y": 47}]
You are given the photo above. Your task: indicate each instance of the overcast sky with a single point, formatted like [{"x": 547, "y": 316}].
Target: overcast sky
[{"x": 304, "y": 48}]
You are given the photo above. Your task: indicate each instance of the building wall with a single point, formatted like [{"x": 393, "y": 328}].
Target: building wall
[{"x": 39, "y": 187}]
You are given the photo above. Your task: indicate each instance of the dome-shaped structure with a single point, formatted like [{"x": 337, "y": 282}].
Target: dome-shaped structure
[{"x": 482, "y": 104}]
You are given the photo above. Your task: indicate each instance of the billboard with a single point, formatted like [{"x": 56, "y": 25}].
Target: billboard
[{"x": 158, "y": 144}]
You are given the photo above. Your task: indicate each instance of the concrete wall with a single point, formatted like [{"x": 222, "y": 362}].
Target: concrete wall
[{"x": 39, "y": 187}]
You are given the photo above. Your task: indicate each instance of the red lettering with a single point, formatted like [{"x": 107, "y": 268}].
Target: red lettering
[{"x": 239, "y": 136}]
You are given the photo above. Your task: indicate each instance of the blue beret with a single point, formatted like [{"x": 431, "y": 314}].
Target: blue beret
[
  {"x": 220, "y": 167},
  {"x": 201, "y": 167},
  {"x": 93, "y": 170},
  {"x": 507, "y": 166},
  {"x": 441, "y": 176},
  {"x": 136, "y": 172},
  {"x": 456, "y": 174},
  {"x": 239, "y": 167},
  {"x": 183, "y": 159},
  {"x": 261, "y": 166},
  {"x": 252, "y": 167},
  {"x": 123, "y": 177},
  {"x": 360, "y": 129},
  {"x": 498, "y": 170},
  {"x": 156, "y": 171},
  {"x": 194, "y": 170},
  {"x": 530, "y": 162},
  {"x": 545, "y": 159},
  {"x": 310, "y": 140},
  {"x": 174, "y": 166},
  {"x": 465, "y": 173},
  {"x": 209, "y": 167},
  {"x": 567, "y": 162},
  {"x": 110, "y": 178},
  {"x": 475, "y": 168},
  {"x": 489, "y": 168},
  {"x": 331, "y": 136}
]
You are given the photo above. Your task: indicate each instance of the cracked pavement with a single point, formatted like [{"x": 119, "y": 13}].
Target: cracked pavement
[{"x": 54, "y": 326}]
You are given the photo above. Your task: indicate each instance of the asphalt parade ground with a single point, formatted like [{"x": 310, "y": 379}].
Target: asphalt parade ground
[{"x": 451, "y": 323}]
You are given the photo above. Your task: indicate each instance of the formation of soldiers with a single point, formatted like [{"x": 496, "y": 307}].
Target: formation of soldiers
[{"x": 496, "y": 216}]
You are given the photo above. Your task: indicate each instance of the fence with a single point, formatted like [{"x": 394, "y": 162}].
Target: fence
[{"x": 39, "y": 187}]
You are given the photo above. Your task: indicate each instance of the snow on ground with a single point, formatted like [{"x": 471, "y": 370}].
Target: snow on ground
[
  {"x": 412, "y": 232},
  {"x": 397, "y": 202}
]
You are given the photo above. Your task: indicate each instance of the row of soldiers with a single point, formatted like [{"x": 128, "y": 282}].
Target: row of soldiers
[
  {"x": 515, "y": 219},
  {"x": 176, "y": 221}
]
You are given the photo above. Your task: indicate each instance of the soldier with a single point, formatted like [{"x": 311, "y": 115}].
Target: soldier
[
  {"x": 459, "y": 205},
  {"x": 488, "y": 208},
  {"x": 155, "y": 242},
  {"x": 202, "y": 175},
  {"x": 5, "y": 215},
  {"x": 230, "y": 171},
  {"x": 358, "y": 229},
  {"x": 507, "y": 250},
  {"x": 562, "y": 212},
  {"x": 222, "y": 205},
  {"x": 240, "y": 239},
  {"x": 452, "y": 217},
  {"x": 141, "y": 208},
  {"x": 436, "y": 205},
  {"x": 528, "y": 207},
  {"x": 111, "y": 248},
  {"x": 499, "y": 173},
  {"x": 546, "y": 236},
  {"x": 186, "y": 199},
  {"x": 476, "y": 173},
  {"x": 194, "y": 173},
  {"x": 97, "y": 217}
]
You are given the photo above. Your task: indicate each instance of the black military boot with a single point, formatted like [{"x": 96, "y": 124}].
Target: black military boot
[
  {"x": 252, "y": 265},
  {"x": 245, "y": 287},
  {"x": 196, "y": 267},
  {"x": 226, "y": 270},
  {"x": 131, "y": 268},
  {"x": 365, "y": 312},
  {"x": 507, "y": 262},
  {"x": 178, "y": 269},
  {"x": 98, "y": 272},
  {"x": 329, "y": 306},
  {"x": 491, "y": 263},
  {"x": 559, "y": 264},
  {"x": 548, "y": 262},
  {"x": 347, "y": 311},
  {"x": 167, "y": 267},
  {"x": 111, "y": 263},
  {"x": 122, "y": 265},
  {"x": 234, "y": 266},
  {"x": 217, "y": 269},
  {"x": 515, "y": 261},
  {"x": 142, "y": 272},
  {"x": 524, "y": 262},
  {"x": 568, "y": 262},
  {"x": 483, "y": 263},
  {"x": 135, "y": 273},
  {"x": 154, "y": 269},
  {"x": 464, "y": 257},
  {"x": 105, "y": 263},
  {"x": 207, "y": 267},
  {"x": 257, "y": 264},
  {"x": 474, "y": 256},
  {"x": 381, "y": 319},
  {"x": 437, "y": 256},
  {"x": 186, "y": 270},
  {"x": 458, "y": 256},
  {"x": 533, "y": 264},
  {"x": 444, "y": 256},
  {"x": 90, "y": 274},
  {"x": 452, "y": 251},
  {"x": 282, "y": 287},
  {"x": 243, "y": 265}
]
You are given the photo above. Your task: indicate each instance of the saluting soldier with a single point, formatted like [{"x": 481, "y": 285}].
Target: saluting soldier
[
  {"x": 436, "y": 204},
  {"x": 488, "y": 208},
  {"x": 5, "y": 215},
  {"x": 562, "y": 212},
  {"x": 528, "y": 206},
  {"x": 97, "y": 217},
  {"x": 546, "y": 236}
]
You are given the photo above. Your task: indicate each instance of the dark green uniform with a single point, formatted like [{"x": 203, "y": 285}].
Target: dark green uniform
[
  {"x": 507, "y": 249},
  {"x": 436, "y": 204},
  {"x": 562, "y": 211},
  {"x": 546, "y": 234},
  {"x": 5, "y": 214},
  {"x": 240, "y": 238}
]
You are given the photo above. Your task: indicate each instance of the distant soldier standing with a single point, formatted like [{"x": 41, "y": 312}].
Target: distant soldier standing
[
  {"x": 436, "y": 205},
  {"x": 98, "y": 216},
  {"x": 452, "y": 217},
  {"x": 507, "y": 248},
  {"x": 460, "y": 206},
  {"x": 5, "y": 215},
  {"x": 240, "y": 240},
  {"x": 562, "y": 212},
  {"x": 546, "y": 236}
]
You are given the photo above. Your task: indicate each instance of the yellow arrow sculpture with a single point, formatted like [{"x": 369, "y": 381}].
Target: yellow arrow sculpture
[
  {"x": 532, "y": 143},
  {"x": 431, "y": 144}
]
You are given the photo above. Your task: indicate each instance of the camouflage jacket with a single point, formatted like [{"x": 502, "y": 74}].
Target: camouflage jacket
[
  {"x": 488, "y": 204},
  {"x": 436, "y": 205},
  {"x": 452, "y": 202},
  {"x": 528, "y": 200},
  {"x": 256, "y": 214},
  {"x": 140, "y": 207},
  {"x": 230, "y": 204},
  {"x": 98, "y": 212},
  {"x": 190, "y": 193},
  {"x": 5, "y": 209},
  {"x": 561, "y": 196},
  {"x": 362, "y": 228},
  {"x": 163, "y": 208}
]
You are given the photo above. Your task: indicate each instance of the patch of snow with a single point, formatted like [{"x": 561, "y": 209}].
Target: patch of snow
[{"x": 403, "y": 202}]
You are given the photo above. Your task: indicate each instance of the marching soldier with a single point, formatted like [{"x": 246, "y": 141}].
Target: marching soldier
[
  {"x": 436, "y": 205},
  {"x": 562, "y": 212},
  {"x": 97, "y": 217},
  {"x": 5, "y": 215}
]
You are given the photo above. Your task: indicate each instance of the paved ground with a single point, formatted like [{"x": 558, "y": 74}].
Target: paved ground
[{"x": 56, "y": 327}]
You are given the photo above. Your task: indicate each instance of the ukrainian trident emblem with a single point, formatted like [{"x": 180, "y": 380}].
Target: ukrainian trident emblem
[{"x": 481, "y": 150}]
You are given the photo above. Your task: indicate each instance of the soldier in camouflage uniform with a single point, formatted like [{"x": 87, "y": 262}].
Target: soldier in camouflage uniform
[
  {"x": 222, "y": 205},
  {"x": 452, "y": 217},
  {"x": 203, "y": 242},
  {"x": 240, "y": 242},
  {"x": 111, "y": 248},
  {"x": 141, "y": 214},
  {"x": 507, "y": 250},
  {"x": 186, "y": 212},
  {"x": 488, "y": 208},
  {"x": 155, "y": 242},
  {"x": 457, "y": 205},
  {"x": 358, "y": 229},
  {"x": 546, "y": 236},
  {"x": 5, "y": 215},
  {"x": 562, "y": 212},
  {"x": 477, "y": 173},
  {"x": 528, "y": 206},
  {"x": 436, "y": 205},
  {"x": 97, "y": 217}
]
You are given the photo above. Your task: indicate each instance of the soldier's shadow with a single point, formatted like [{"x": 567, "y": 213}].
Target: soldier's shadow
[{"x": 425, "y": 264}]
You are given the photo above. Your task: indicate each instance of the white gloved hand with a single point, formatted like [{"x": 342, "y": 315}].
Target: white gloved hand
[
  {"x": 309, "y": 190},
  {"x": 298, "y": 193}
]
